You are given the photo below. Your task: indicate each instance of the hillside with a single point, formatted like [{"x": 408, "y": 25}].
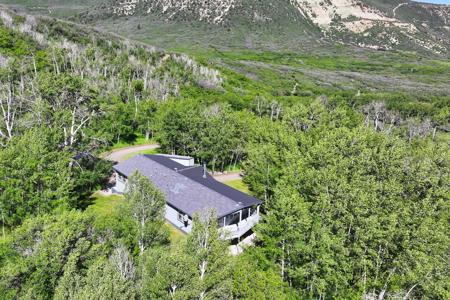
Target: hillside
[
  {"x": 289, "y": 47},
  {"x": 372, "y": 24},
  {"x": 274, "y": 24},
  {"x": 345, "y": 146},
  {"x": 83, "y": 75}
]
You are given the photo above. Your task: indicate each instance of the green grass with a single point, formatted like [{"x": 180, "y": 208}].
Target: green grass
[
  {"x": 4, "y": 238},
  {"x": 239, "y": 185},
  {"x": 234, "y": 168},
  {"x": 148, "y": 151},
  {"x": 138, "y": 141},
  {"x": 104, "y": 205},
  {"x": 176, "y": 235},
  {"x": 55, "y": 8}
]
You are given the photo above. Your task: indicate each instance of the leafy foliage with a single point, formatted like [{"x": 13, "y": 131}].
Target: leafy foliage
[
  {"x": 349, "y": 212},
  {"x": 354, "y": 179},
  {"x": 198, "y": 268},
  {"x": 39, "y": 251},
  {"x": 145, "y": 204},
  {"x": 213, "y": 134},
  {"x": 27, "y": 175}
]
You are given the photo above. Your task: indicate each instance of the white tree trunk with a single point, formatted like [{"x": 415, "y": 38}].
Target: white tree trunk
[
  {"x": 8, "y": 108},
  {"x": 282, "y": 260},
  {"x": 70, "y": 134}
]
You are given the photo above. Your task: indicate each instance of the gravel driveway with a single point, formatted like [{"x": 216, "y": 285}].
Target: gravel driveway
[
  {"x": 228, "y": 177},
  {"x": 119, "y": 155}
]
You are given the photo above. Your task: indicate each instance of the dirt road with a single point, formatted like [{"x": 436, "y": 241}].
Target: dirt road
[
  {"x": 228, "y": 177},
  {"x": 119, "y": 155}
]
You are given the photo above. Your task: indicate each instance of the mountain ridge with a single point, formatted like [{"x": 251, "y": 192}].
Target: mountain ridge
[
  {"x": 381, "y": 24},
  {"x": 267, "y": 25}
]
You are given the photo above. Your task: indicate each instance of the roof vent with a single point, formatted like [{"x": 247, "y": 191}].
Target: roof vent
[{"x": 176, "y": 170}]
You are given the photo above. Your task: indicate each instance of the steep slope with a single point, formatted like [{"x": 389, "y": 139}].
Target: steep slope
[
  {"x": 74, "y": 78},
  {"x": 377, "y": 24}
]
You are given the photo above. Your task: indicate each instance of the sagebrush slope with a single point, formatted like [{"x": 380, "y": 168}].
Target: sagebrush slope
[{"x": 372, "y": 24}]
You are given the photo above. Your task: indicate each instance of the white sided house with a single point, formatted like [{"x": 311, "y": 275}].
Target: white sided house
[{"x": 189, "y": 189}]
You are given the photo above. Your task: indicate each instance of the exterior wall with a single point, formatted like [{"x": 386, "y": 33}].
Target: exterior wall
[
  {"x": 171, "y": 214},
  {"x": 172, "y": 217},
  {"x": 121, "y": 183},
  {"x": 186, "y": 161}
]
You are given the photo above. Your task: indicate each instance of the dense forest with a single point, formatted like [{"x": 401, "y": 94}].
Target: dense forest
[{"x": 355, "y": 183}]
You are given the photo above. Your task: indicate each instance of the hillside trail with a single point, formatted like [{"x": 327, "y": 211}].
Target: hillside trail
[{"x": 394, "y": 11}]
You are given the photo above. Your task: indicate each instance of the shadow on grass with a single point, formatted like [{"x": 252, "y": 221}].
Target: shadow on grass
[
  {"x": 132, "y": 140},
  {"x": 104, "y": 204}
]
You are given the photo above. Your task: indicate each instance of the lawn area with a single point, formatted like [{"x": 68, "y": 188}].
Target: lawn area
[
  {"x": 234, "y": 169},
  {"x": 4, "y": 234},
  {"x": 139, "y": 141},
  {"x": 175, "y": 234},
  {"x": 104, "y": 205},
  {"x": 148, "y": 151},
  {"x": 239, "y": 185}
]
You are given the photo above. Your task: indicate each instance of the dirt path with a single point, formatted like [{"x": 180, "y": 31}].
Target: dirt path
[
  {"x": 120, "y": 154},
  {"x": 394, "y": 11},
  {"x": 228, "y": 177}
]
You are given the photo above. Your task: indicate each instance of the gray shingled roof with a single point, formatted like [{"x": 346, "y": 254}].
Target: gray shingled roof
[{"x": 185, "y": 188}]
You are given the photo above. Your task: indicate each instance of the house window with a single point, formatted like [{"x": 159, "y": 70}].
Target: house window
[
  {"x": 232, "y": 219},
  {"x": 120, "y": 178},
  {"x": 245, "y": 213},
  {"x": 180, "y": 217},
  {"x": 183, "y": 218}
]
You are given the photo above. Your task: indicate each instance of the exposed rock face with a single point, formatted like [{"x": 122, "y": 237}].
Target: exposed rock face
[
  {"x": 378, "y": 28},
  {"x": 378, "y": 24},
  {"x": 326, "y": 13}
]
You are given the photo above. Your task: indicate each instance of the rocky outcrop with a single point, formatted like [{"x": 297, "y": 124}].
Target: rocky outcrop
[{"x": 211, "y": 11}]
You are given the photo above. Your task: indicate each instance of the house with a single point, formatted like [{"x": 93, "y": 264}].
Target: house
[{"x": 189, "y": 189}]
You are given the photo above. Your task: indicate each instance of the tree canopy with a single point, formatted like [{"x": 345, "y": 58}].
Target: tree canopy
[{"x": 354, "y": 182}]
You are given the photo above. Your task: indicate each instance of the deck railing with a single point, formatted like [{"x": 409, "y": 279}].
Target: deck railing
[{"x": 237, "y": 230}]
